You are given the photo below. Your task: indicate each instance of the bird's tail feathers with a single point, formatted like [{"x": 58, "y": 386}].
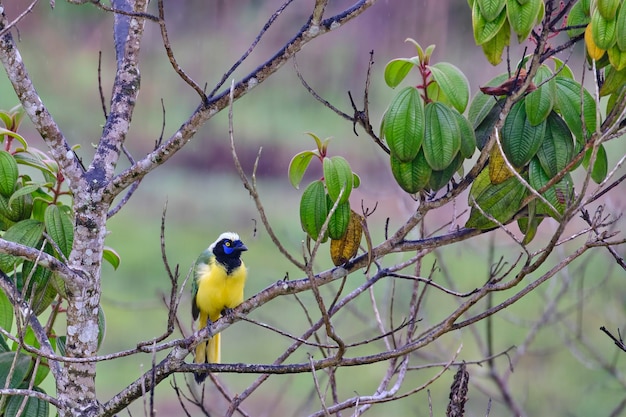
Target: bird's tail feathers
[
  {"x": 214, "y": 353},
  {"x": 207, "y": 352}
]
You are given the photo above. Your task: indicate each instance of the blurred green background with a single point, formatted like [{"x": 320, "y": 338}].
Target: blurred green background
[{"x": 558, "y": 375}]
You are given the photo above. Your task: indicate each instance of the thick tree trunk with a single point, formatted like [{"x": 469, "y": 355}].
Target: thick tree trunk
[{"x": 78, "y": 391}]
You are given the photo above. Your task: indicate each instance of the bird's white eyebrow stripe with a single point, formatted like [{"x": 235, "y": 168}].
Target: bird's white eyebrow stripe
[{"x": 226, "y": 235}]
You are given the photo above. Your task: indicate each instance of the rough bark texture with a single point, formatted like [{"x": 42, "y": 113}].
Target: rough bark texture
[{"x": 90, "y": 208}]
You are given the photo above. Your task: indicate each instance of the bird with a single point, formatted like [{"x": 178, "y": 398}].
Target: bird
[{"x": 219, "y": 279}]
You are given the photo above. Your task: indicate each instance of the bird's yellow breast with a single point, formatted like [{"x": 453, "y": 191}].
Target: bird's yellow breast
[{"x": 218, "y": 290}]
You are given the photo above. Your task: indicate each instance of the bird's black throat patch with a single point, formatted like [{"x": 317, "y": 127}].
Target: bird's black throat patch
[{"x": 230, "y": 263}]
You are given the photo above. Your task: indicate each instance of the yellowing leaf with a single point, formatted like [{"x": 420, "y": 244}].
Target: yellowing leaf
[
  {"x": 346, "y": 248},
  {"x": 593, "y": 50},
  {"x": 498, "y": 170}
]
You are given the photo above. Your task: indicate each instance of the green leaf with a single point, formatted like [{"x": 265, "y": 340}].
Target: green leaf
[
  {"x": 3, "y": 343},
  {"x": 356, "y": 181},
  {"x": 321, "y": 145},
  {"x": 35, "y": 158},
  {"x": 23, "y": 196},
  {"x": 61, "y": 344},
  {"x": 603, "y": 31},
  {"x": 338, "y": 222},
  {"x": 412, "y": 176},
  {"x": 21, "y": 367},
  {"x": 298, "y": 165},
  {"x": 482, "y": 103},
  {"x": 453, "y": 83},
  {"x": 6, "y": 312},
  {"x": 620, "y": 35},
  {"x": 313, "y": 209},
  {"x": 26, "y": 232},
  {"x": 562, "y": 69},
  {"x": 6, "y": 118},
  {"x": 520, "y": 139},
  {"x": 484, "y": 30},
  {"x": 41, "y": 291},
  {"x": 608, "y": 8},
  {"x": 500, "y": 201},
  {"x": 494, "y": 47},
  {"x": 338, "y": 177},
  {"x": 421, "y": 55},
  {"x": 617, "y": 57},
  {"x": 539, "y": 102},
  {"x": 18, "y": 210},
  {"x": 34, "y": 407},
  {"x": 529, "y": 225},
  {"x": 559, "y": 195},
  {"x": 577, "y": 17},
  {"x": 484, "y": 130},
  {"x": 60, "y": 228},
  {"x": 31, "y": 340},
  {"x": 397, "y": 69},
  {"x": 491, "y": 9},
  {"x": 439, "y": 179},
  {"x": 523, "y": 17},
  {"x": 468, "y": 138},
  {"x": 112, "y": 257},
  {"x": 442, "y": 138},
  {"x": 479, "y": 108},
  {"x": 17, "y": 114},
  {"x": 403, "y": 124},
  {"x": 557, "y": 148},
  {"x": 14, "y": 135},
  {"x": 8, "y": 173},
  {"x": 570, "y": 95},
  {"x": 600, "y": 166}
]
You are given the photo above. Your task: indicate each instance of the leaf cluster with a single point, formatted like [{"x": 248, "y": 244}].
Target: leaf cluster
[
  {"x": 493, "y": 20},
  {"x": 37, "y": 214},
  {"x": 325, "y": 207},
  {"x": 427, "y": 135},
  {"x": 540, "y": 138}
]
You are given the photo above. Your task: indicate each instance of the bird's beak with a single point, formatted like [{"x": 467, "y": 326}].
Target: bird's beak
[{"x": 241, "y": 248}]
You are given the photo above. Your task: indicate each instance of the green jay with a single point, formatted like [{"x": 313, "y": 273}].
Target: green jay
[{"x": 219, "y": 279}]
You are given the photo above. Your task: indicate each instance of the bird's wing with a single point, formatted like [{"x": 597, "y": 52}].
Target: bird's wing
[{"x": 202, "y": 260}]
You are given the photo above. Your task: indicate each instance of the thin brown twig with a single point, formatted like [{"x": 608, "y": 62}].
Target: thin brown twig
[
  {"x": 170, "y": 55},
  {"x": 21, "y": 16},
  {"x": 256, "y": 41}
]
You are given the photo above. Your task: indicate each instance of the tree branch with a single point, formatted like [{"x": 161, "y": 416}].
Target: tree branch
[{"x": 214, "y": 105}]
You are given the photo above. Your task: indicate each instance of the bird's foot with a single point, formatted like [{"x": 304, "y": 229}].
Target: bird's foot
[
  {"x": 227, "y": 312},
  {"x": 208, "y": 322}
]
